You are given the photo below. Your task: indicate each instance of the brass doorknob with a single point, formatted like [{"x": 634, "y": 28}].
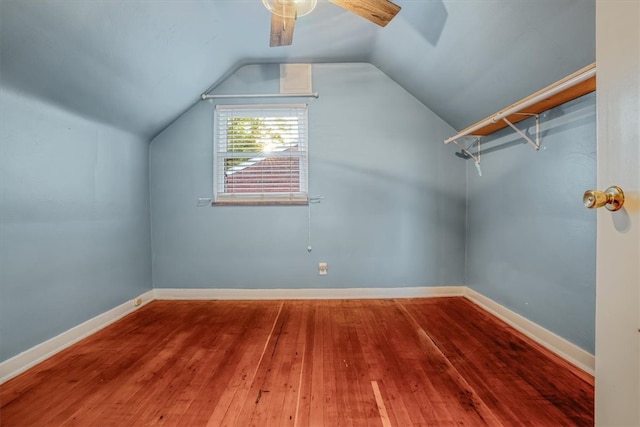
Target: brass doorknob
[{"x": 612, "y": 198}]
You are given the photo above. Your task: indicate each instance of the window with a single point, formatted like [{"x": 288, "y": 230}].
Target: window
[{"x": 260, "y": 154}]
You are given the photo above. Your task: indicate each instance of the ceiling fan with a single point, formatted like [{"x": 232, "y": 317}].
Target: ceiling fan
[{"x": 285, "y": 12}]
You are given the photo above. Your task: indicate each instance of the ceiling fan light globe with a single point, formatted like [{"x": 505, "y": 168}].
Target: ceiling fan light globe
[{"x": 290, "y": 8}]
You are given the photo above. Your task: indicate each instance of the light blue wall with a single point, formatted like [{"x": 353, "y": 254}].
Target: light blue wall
[
  {"x": 530, "y": 242},
  {"x": 393, "y": 213},
  {"x": 74, "y": 209},
  {"x": 74, "y": 220}
]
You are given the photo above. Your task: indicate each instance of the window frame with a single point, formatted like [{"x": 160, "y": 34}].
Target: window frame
[{"x": 226, "y": 111}]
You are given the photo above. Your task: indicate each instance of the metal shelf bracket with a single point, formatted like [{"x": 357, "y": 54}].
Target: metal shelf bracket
[
  {"x": 535, "y": 144},
  {"x": 475, "y": 157}
]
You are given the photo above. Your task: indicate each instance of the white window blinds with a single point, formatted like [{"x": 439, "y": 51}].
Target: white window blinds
[{"x": 261, "y": 154}]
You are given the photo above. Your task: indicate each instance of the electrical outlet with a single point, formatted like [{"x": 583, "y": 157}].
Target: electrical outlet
[{"x": 323, "y": 269}]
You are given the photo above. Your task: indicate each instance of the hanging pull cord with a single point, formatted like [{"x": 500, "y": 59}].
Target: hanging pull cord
[{"x": 312, "y": 201}]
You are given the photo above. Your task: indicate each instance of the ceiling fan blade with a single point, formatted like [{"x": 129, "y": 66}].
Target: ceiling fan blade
[
  {"x": 379, "y": 12},
  {"x": 282, "y": 24}
]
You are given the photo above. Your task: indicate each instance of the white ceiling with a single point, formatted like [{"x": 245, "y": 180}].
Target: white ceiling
[{"x": 138, "y": 64}]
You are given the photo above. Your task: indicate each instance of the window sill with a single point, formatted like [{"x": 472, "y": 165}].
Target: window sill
[{"x": 261, "y": 203}]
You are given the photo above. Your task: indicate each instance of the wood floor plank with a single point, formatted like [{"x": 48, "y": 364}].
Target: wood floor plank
[
  {"x": 440, "y": 361},
  {"x": 449, "y": 400},
  {"x": 483, "y": 348},
  {"x": 311, "y": 398},
  {"x": 452, "y": 379},
  {"x": 353, "y": 384},
  {"x": 88, "y": 370},
  {"x": 402, "y": 411},
  {"x": 382, "y": 408},
  {"x": 278, "y": 374},
  {"x": 226, "y": 392}
]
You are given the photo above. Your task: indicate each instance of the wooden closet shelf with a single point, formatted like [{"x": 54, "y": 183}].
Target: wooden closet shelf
[{"x": 495, "y": 122}]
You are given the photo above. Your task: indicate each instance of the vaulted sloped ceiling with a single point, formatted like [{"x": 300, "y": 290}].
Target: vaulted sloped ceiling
[{"x": 138, "y": 64}]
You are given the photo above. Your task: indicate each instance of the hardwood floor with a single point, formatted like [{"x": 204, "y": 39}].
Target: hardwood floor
[{"x": 405, "y": 362}]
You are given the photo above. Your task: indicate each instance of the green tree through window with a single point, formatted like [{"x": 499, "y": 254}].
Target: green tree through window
[{"x": 258, "y": 135}]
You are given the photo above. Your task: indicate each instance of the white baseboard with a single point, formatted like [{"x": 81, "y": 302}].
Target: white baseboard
[
  {"x": 563, "y": 348},
  {"x": 287, "y": 294},
  {"x": 25, "y": 360}
]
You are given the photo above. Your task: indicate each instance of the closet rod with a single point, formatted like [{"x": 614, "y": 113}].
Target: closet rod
[
  {"x": 560, "y": 86},
  {"x": 264, "y": 95}
]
